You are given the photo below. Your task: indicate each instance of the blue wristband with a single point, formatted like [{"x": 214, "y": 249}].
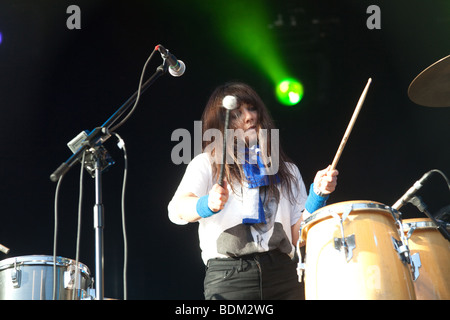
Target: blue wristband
[
  {"x": 202, "y": 207},
  {"x": 314, "y": 201}
]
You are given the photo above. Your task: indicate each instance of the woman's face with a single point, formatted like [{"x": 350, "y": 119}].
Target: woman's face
[{"x": 245, "y": 118}]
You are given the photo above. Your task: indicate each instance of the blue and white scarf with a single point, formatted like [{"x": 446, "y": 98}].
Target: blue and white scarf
[{"x": 256, "y": 176}]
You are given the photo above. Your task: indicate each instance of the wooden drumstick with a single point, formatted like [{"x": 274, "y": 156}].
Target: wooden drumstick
[
  {"x": 4, "y": 249},
  {"x": 350, "y": 125}
]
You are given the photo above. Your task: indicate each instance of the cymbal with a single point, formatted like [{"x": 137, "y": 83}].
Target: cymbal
[{"x": 431, "y": 88}]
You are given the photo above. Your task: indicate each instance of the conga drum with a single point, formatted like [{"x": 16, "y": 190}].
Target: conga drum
[
  {"x": 352, "y": 253},
  {"x": 433, "y": 282}
]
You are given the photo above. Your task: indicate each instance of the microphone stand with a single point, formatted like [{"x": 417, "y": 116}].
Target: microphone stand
[{"x": 93, "y": 143}]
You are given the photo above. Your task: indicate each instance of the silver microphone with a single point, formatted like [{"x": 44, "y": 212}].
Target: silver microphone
[
  {"x": 411, "y": 191},
  {"x": 176, "y": 67}
]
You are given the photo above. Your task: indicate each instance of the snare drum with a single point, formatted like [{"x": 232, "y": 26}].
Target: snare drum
[
  {"x": 352, "y": 253},
  {"x": 433, "y": 282},
  {"x": 31, "y": 278}
]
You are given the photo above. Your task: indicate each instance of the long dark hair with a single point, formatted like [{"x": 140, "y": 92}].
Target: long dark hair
[{"x": 214, "y": 118}]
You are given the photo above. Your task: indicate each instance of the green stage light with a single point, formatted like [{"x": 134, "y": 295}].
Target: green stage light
[
  {"x": 249, "y": 36},
  {"x": 289, "y": 91}
]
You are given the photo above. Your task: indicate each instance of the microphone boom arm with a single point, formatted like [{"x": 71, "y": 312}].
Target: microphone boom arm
[{"x": 100, "y": 134}]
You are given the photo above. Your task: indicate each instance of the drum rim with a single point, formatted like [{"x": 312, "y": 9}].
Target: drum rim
[
  {"x": 418, "y": 225},
  {"x": 424, "y": 223},
  {"x": 357, "y": 205},
  {"x": 41, "y": 260}
]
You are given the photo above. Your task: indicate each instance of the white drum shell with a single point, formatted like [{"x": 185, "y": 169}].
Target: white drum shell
[{"x": 31, "y": 278}]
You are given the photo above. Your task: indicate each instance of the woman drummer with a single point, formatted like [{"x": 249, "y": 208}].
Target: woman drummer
[{"x": 248, "y": 227}]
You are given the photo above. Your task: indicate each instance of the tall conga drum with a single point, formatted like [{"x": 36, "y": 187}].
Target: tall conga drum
[
  {"x": 433, "y": 282},
  {"x": 352, "y": 252}
]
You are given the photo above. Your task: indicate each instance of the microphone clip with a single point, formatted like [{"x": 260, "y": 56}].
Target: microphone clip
[
  {"x": 95, "y": 149},
  {"x": 176, "y": 67},
  {"x": 418, "y": 203}
]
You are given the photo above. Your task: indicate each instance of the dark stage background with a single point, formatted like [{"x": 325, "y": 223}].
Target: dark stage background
[{"x": 56, "y": 82}]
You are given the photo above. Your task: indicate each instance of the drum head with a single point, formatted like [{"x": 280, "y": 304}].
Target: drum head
[{"x": 41, "y": 260}]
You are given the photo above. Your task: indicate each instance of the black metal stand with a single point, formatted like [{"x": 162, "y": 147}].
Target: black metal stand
[
  {"x": 441, "y": 227},
  {"x": 93, "y": 142}
]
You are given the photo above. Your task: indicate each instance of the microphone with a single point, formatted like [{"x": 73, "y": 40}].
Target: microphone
[
  {"x": 176, "y": 67},
  {"x": 411, "y": 191}
]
